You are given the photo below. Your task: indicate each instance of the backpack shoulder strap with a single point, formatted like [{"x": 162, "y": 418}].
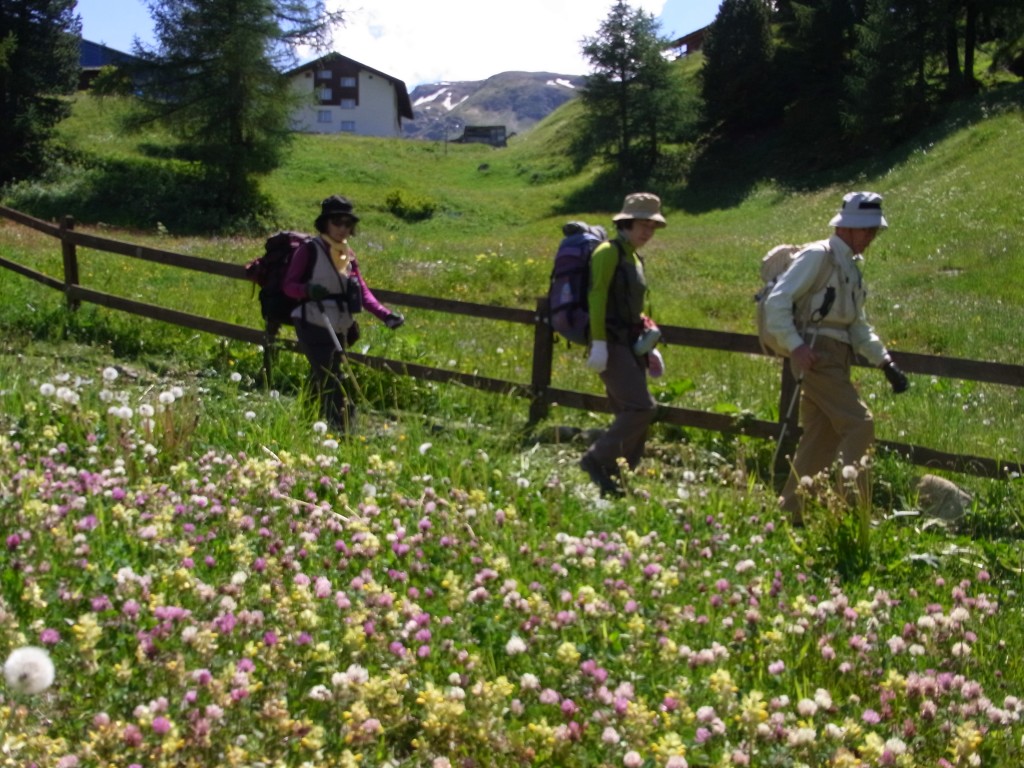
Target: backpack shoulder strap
[{"x": 318, "y": 251}]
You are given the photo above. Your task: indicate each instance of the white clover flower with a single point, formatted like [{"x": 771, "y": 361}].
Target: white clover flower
[
  {"x": 960, "y": 615},
  {"x": 961, "y": 650},
  {"x": 320, "y": 427},
  {"x": 896, "y": 746},
  {"x": 515, "y": 645},
  {"x": 806, "y": 708},
  {"x": 610, "y": 736},
  {"x": 529, "y": 682},
  {"x": 823, "y": 698},
  {"x": 47, "y": 389},
  {"x": 29, "y": 670},
  {"x": 799, "y": 737},
  {"x": 110, "y": 374},
  {"x": 320, "y": 693}
]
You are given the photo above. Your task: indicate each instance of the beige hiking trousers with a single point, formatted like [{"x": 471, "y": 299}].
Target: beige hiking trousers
[{"x": 837, "y": 425}]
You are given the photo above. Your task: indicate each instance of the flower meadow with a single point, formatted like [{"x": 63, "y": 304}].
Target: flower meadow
[{"x": 196, "y": 575}]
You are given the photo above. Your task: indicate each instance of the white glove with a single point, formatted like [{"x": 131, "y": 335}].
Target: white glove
[
  {"x": 598, "y": 359},
  {"x": 655, "y": 364}
]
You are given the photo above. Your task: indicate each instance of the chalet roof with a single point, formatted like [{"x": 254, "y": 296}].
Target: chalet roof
[
  {"x": 95, "y": 55},
  {"x": 404, "y": 102}
]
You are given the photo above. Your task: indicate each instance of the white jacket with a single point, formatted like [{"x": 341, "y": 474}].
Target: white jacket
[{"x": 846, "y": 321}]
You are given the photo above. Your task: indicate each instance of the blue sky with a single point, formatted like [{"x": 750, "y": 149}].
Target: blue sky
[{"x": 424, "y": 42}]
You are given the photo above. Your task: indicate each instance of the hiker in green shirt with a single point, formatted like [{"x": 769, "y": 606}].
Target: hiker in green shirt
[{"x": 621, "y": 341}]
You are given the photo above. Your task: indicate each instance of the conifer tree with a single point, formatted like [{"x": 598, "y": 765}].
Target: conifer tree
[
  {"x": 634, "y": 104},
  {"x": 736, "y": 80},
  {"x": 40, "y": 58},
  {"x": 215, "y": 79}
]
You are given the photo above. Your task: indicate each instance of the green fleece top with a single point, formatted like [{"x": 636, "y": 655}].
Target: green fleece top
[{"x": 616, "y": 296}]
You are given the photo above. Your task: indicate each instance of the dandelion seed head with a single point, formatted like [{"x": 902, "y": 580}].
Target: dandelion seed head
[
  {"x": 29, "y": 670},
  {"x": 110, "y": 374}
]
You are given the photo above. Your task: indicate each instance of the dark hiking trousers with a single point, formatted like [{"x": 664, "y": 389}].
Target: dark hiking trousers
[{"x": 625, "y": 380}]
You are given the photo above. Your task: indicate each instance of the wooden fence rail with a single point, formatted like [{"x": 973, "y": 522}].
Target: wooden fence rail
[{"x": 540, "y": 392}]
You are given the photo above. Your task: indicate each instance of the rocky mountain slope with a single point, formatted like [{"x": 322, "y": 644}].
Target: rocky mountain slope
[{"x": 516, "y": 100}]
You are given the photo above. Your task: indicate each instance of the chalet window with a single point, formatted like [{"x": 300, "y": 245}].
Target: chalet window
[
  {"x": 325, "y": 94},
  {"x": 347, "y": 81},
  {"x": 323, "y": 116},
  {"x": 347, "y": 103},
  {"x": 348, "y": 126},
  {"x": 323, "y": 74}
]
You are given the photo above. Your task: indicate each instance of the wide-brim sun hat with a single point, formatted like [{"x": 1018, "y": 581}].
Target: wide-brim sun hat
[
  {"x": 641, "y": 205},
  {"x": 336, "y": 205},
  {"x": 860, "y": 210}
]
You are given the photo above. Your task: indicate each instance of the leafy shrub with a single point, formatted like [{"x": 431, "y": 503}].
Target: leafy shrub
[{"x": 410, "y": 207}]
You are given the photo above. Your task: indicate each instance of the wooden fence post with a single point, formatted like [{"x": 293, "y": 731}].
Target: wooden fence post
[
  {"x": 789, "y": 420},
  {"x": 70, "y": 255},
  {"x": 543, "y": 351}
]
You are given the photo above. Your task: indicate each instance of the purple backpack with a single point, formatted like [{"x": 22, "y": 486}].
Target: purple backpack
[{"x": 570, "y": 281}]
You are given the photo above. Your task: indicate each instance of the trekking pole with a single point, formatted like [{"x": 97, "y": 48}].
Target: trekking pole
[
  {"x": 330, "y": 327},
  {"x": 792, "y": 405},
  {"x": 823, "y": 310}
]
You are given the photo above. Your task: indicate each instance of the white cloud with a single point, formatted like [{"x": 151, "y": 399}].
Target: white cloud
[{"x": 426, "y": 42}]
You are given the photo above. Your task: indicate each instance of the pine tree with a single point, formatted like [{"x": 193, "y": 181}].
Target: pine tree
[
  {"x": 736, "y": 80},
  {"x": 40, "y": 56},
  {"x": 886, "y": 90},
  {"x": 215, "y": 79},
  {"x": 634, "y": 103}
]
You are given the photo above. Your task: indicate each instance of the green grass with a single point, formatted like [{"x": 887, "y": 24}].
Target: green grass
[
  {"x": 937, "y": 277},
  {"x": 219, "y": 581}
]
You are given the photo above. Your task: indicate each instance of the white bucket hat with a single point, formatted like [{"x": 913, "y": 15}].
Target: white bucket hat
[
  {"x": 861, "y": 210},
  {"x": 641, "y": 205}
]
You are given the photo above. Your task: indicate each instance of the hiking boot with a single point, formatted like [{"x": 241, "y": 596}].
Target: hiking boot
[{"x": 600, "y": 476}]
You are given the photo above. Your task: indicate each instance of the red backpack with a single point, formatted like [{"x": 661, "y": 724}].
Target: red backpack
[{"x": 268, "y": 272}]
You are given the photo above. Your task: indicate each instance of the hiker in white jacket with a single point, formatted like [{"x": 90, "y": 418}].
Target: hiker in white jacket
[{"x": 822, "y": 332}]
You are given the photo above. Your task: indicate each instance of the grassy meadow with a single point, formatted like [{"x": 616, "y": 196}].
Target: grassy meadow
[{"x": 217, "y": 579}]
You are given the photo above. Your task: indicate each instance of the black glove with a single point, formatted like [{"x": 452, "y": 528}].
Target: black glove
[
  {"x": 897, "y": 378},
  {"x": 394, "y": 320},
  {"x": 317, "y": 292}
]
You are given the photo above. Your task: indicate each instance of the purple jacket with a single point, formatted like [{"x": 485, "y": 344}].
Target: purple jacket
[{"x": 295, "y": 285}]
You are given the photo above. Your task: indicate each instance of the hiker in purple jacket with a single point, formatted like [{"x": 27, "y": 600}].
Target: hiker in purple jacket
[{"x": 324, "y": 276}]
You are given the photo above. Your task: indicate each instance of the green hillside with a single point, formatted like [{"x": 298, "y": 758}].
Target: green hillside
[{"x": 952, "y": 198}]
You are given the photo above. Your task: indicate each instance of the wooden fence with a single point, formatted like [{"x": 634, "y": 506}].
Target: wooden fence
[{"x": 539, "y": 392}]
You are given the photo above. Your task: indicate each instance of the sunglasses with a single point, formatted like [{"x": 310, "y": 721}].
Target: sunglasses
[{"x": 342, "y": 221}]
